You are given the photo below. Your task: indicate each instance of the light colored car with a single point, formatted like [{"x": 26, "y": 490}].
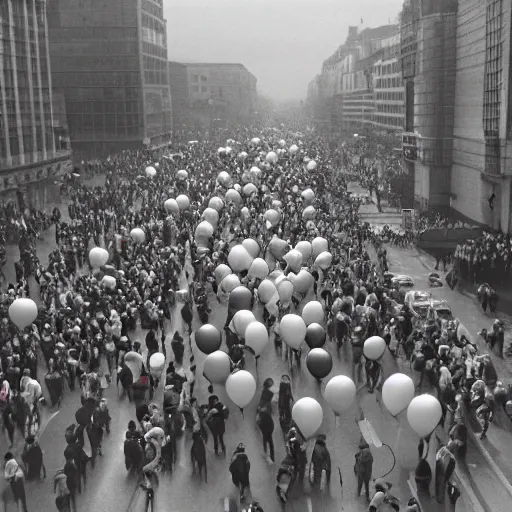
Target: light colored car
[{"x": 402, "y": 280}]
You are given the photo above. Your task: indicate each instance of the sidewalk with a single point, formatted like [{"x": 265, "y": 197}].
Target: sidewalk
[{"x": 487, "y": 471}]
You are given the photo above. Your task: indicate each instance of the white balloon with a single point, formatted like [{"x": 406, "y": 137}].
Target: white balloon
[
  {"x": 282, "y": 143},
  {"x": 285, "y": 290},
  {"x": 308, "y": 194},
  {"x": 239, "y": 259},
  {"x": 156, "y": 364},
  {"x": 252, "y": 247},
  {"x": 266, "y": 290},
  {"x": 250, "y": 189},
  {"x": 241, "y": 321},
  {"x": 294, "y": 259},
  {"x": 183, "y": 201},
  {"x": 212, "y": 216},
  {"x": 293, "y": 330},
  {"x": 324, "y": 260},
  {"x": 304, "y": 247},
  {"x": 138, "y": 235},
  {"x": 273, "y": 217},
  {"x": 172, "y": 206},
  {"x": 182, "y": 174},
  {"x": 150, "y": 171},
  {"x": 423, "y": 414},
  {"x": 258, "y": 269},
  {"x": 109, "y": 282},
  {"x": 319, "y": 245},
  {"x": 309, "y": 213},
  {"x": 242, "y": 156},
  {"x": 397, "y": 393},
  {"x": 308, "y": 415},
  {"x": 98, "y": 257},
  {"x": 256, "y": 337},
  {"x": 293, "y": 149},
  {"x": 23, "y": 312},
  {"x": 302, "y": 282},
  {"x": 233, "y": 196},
  {"x": 229, "y": 283},
  {"x": 223, "y": 178},
  {"x": 311, "y": 165},
  {"x": 228, "y": 150},
  {"x": 221, "y": 151},
  {"x": 313, "y": 313},
  {"x": 271, "y": 157},
  {"x": 340, "y": 393},
  {"x": 216, "y": 203},
  {"x": 221, "y": 272},
  {"x": 374, "y": 348},
  {"x": 240, "y": 387},
  {"x": 255, "y": 141}
]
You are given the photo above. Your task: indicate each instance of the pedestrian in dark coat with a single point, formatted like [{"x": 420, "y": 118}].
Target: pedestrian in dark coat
[
  {"x": 239, "y": 469},
  {"x": 363, "y": 468},
  {"x": 320, "y": 461},
  {"x": 33, "y": 459}
]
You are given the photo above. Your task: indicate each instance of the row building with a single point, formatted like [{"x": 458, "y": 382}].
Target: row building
[{"x": 34, "y": 146}]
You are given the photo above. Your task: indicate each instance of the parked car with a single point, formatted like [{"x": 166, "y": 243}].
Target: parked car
[{"x": 402, "y": 280}]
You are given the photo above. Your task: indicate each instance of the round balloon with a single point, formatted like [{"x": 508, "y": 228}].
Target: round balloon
[
  {"x": 374, "y": 348},
  {"x": 315, "y": 335},
  {"x": 293, "y": 330},
  {"x": 224, "y": 178},
  {"x": 230, "y": 282},
  {"x": 208, "y": 338},
  {"x": 241, "y": 320},
  {"x": 308, "y": 416},
  {"x": 240, "y": 298},
  {"x": 249, "y": 189},
  {"x": 156, "y": 364},
  {"x": 324, "y": 260},
  {"x": 340, "y": 393},
  {"x": 294, "y": 260},
  {"x": 271, "y": 157},
  {"x": 240, "y": 387},
  {"x": 258, "y": 269},
  {"x": 266, "y": 290},
  {"x": 278, "y": 247},
  {"x": 183, "y": 201},
  {"x": 150, "y": 171},
  {"x": 221, "y": 271},
  {"x": 171, "y": 206},
  {"x": 304, "y": 247},
  {"x": 98, "y": 257},
  {"x": 273, "y": 217},
  {"x": 239, "y": 259},
  {"x": 138, "y": 235},
  {"x": 303, "y": 281},
  {"x": 217, "y": 367},
  {"x": 109, "y": 282},
  {"x": 232, "y": 196},
  {"x": 134, "y": 361},
  {"x": 242, "y": 156},
  {"x": 23, "y": 312},
  {"x": 285, "y": 290},
  {"x": 204, "y": 231},
  {"x": 319, "y": 363},
  {"x": 252, "y": 247},
  {"x": 309, "y": 213},
  {"x": 293, "y": 149},
  {"x": 311, "y": 165},
  {"x": 212, "y": 216},
  {"x": 313, "y": 313},
  {"x": 221, "y": 151},
  {"x": 256, "y": 337},
  {"x": 423, "y": 414},
  {"x": 308, "y": 194},
  {"x": 255, "y": 141},
  {"x": 216, "y": 203},
  {"x": 397, "y": 393},
  {"x": 182, "y": 174},
  {"x": 319, "y": 245}
]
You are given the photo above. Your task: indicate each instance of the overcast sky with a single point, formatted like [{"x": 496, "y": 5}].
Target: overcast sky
[{"x": 282, "y": 42}]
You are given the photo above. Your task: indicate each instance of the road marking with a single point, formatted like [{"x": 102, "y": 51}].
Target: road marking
[
  {"x": 310, "y": 504},
  {"x": 226, "y": 504},
  {"x": 46, "y": 423}
]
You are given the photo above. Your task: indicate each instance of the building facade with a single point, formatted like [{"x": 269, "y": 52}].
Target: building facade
[
  {"x": 110, "y": 60},
  {"x": 32, "y": 154},
  {"x": 456, "y": 66},
  {"x": 178, "y": 83},
  {"x": 360, "y": 87},
  {"x": 220, "y": 94}
]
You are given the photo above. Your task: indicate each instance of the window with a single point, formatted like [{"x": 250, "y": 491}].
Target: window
[
  {"x": 195, "y": 78},
  {"x": 204, "y": 90},
  {"x": 204, "y": 79}
]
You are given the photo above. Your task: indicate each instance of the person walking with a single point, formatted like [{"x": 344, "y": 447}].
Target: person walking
[
  {"x": 60, "y": 488},
  {"x": 264, "y": 418},
  {"x": 216, "y": 421},
  {"x": 363, "y": 468},
  {"x": 14, "y": 474},
  {"x": 72, "y": 481},
  {"x": 239, "y": 469}
]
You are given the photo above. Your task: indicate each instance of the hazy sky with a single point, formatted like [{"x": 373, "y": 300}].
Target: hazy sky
[{"x": 282, "y": 42}]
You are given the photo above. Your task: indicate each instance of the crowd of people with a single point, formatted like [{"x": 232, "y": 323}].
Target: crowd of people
[{"x": 85, "y": 324}]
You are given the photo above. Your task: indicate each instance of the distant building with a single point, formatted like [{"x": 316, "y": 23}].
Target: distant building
[
  {"x": 178, "y": 81},
  {"x": 110, "y": 59},
  {"x": 220, "y": 94},
  {"x": 33, "y": 151}
]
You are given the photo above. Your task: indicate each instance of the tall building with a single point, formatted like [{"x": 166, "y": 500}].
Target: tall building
[
  {"x": 220, "y": 94},
  {"x": 32, "y": 154},
  {"x": 110, "y": 59},
  {"x": 360, "y": 86}
]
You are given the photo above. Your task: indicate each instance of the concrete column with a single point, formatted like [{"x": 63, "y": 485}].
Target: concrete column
[
  {"x": 32, "y": 5},
  {"x": 50, "y": 150},
  {"x": 29, "y": 70},
  {"x": 3, "y": 113},
  {"x": 15, "y": 82}
]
